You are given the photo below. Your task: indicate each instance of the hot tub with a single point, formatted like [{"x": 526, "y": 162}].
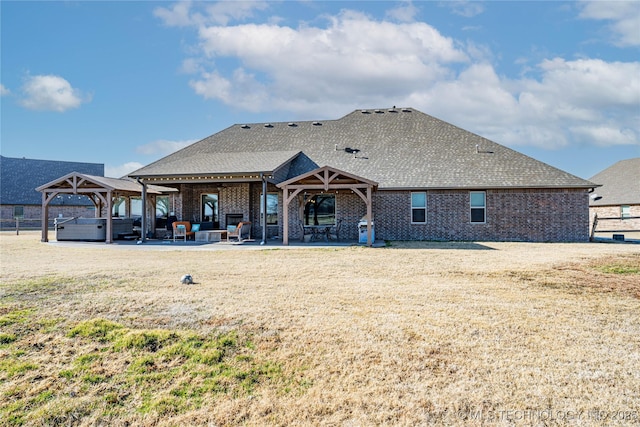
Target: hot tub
[{"x": 81, "y": 229}]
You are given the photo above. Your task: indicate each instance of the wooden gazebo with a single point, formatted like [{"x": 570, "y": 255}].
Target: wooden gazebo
[
  {"x": 327, "y": 179},
  {"x": 102, "y": 191}
]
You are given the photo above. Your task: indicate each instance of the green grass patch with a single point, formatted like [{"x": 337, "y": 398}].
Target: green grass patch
[
  {"x": 147, "y": 340},
  {"x": 620, "y": 269},
  {"x": 100, "y": 329},
  {"x": 7, "y": 338},
  {"x": 114, "y": 370},
  {"x": 174, "y": 369},
  {"x": 16, "y": 317},
  {"x": 12, "y": 367}
]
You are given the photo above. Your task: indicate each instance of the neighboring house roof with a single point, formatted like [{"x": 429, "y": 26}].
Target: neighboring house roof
[
  {"x": 20, "y": 177},
  {"x": 620, "y": 184},
  {"x": 397, "y": 148}
]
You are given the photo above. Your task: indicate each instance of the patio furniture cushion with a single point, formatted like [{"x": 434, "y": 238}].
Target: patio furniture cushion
[
  {"x": 180, "y": 232},
  {"x": 242, "y": 232}
]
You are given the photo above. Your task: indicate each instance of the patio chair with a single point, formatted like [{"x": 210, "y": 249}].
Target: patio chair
[
  {"x": 334, "y": 232},
  {"x": 242, "y": 231},
  {"x": 182, "y": 230}
]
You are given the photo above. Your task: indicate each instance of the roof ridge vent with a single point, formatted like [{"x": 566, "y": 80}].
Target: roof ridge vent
[
  {"x": 292, "y": 125},
  {"x": 406, "y": 110},
  {"x": 317, "y": 124},
  {"x": 379, "y": 112},
  {"x": 245, "y": 127},
  {"x": 268, "y": 125}
]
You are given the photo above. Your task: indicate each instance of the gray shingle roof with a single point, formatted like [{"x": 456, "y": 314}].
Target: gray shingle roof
[
  {"x": 398, "y": 148},
  {"x": 202, "y": 162},
  {"x": 20, "y": 177},
  {"x": 620, "y": 184}
]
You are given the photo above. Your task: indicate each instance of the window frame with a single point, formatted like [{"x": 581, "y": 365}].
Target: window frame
[
  {"x": 415, "y": 208},
  {"x": 215, "y": 216},
  {"x": 270, "y": 195},
  {"x": 308, "y": 199},
  {"x": 482, "y": 208},
  {"x": 625, "y": 211},
  {"x": 18, "y": 212}
]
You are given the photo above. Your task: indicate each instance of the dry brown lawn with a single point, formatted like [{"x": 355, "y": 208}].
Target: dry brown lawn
[{"x": 410, "y": 334}]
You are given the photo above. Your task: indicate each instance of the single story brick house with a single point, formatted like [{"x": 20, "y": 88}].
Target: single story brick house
[
  {"x": 410, "y": 176},
  {"x": 615, "y": 206},
  {"x": 19, "y": 178}
]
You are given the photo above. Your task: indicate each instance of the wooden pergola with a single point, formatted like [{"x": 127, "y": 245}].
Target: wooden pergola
[
  {"x": 102, "y": 191},
  {"x": 327, "y": 178}
]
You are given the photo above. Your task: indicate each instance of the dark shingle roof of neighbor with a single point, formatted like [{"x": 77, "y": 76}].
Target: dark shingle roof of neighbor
[
  {"x": 620, "y": 184},
  {"x": 20, "y": 177},
  {"x": 398, "y": 148}
]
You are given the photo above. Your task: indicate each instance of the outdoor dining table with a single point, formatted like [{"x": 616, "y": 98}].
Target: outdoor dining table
[{"x": 318, "y": 232}]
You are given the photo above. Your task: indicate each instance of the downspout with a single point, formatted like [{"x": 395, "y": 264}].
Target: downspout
[
  {"x": 143, "y": 219},
  {"x": 264, "y": 209}
]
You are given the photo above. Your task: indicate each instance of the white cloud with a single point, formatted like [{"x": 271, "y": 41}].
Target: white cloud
[
  {"x": 404, "y": 13},
  {"x": 623, "y": 15},
  {"x": 580, "y": 102},
  {"x": 120, "y": 171},
  {"x": 162, "y": 147},
  {"x": 465, "y": 8},
  {"x": 50, "y": 93},
  {"x": 355, "y": 61},
  {"x": 4, "y": 91},
  {"x": 313, "y": 65},
  {"x": 178, "y": 15},
  {"x": 226, "y": 11},
  {"x": 182, "y": 14}
]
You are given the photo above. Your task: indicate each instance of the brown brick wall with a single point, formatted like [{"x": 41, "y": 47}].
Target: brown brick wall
[
  {"x": 541, "y": 215},
  {"x": 511, "y": 215}
]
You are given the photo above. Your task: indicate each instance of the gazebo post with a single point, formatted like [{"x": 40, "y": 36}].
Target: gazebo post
[
  {"x": 109, "y": 236},
  {"x": 143, "y": 220},
  {"x": 285, "y": 217},
  {"x": 369, "y": 240},
  {"x": 45, "y": 218}
]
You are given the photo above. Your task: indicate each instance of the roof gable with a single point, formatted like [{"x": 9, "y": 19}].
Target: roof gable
[{"x": 327, "y": 177}]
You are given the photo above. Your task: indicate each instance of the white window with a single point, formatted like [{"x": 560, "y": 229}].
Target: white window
[
  {"x": 418, "y": 207},
  {"x": 625, "y": 211},
  {"x": 478, "y": 203}
]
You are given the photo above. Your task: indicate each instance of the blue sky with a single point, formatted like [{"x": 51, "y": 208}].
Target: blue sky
[{"x": 126, "y": 83}]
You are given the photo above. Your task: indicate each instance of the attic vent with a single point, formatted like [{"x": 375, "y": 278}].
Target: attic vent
[
  {"x": 365, "y": 112},
  {"x": 292, "y": 125},
  {"x": 317, "y": 124},
  {"x": 379, "y": 112},
  {"x": 268, "y": 125},
  {"x": 245, "y": 127},
  {"x": 392, "y": 110},
  {"x": 406, "y": 110}
]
